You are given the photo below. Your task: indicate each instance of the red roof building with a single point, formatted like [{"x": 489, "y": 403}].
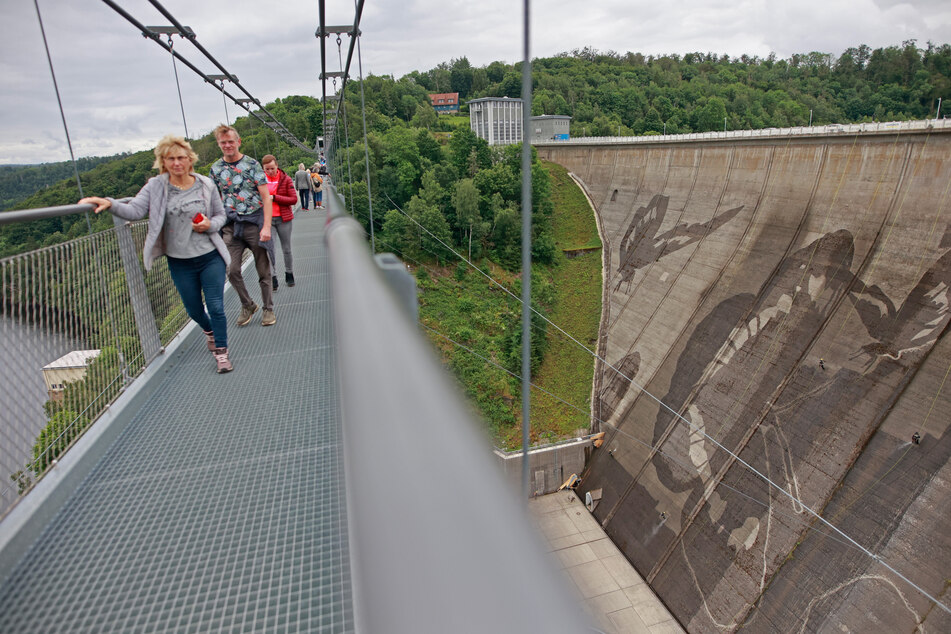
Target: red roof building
[{"x": 445, "y": 102}]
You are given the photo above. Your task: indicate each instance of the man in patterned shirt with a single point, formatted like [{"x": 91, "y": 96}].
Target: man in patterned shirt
[{"x": 243, "y": 188}]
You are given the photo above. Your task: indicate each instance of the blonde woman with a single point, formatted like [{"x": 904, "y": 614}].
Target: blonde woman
[{"x": 185, "y": 214}]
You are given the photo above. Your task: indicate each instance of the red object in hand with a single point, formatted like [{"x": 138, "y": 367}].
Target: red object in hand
[{"x": 198, "y": 218}]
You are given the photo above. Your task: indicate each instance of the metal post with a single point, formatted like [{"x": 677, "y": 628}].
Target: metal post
[
  {"x": 938, "y": 113},
  {"x": 141, "y": 306},
  {"x": 810, "y": 117},
  {"x": 526, "y": 250}
]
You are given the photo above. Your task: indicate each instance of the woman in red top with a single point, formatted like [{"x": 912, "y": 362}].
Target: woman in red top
[{"x": 283, "y": 198}]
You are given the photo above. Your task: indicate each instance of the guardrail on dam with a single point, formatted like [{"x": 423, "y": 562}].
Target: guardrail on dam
[{"x": 786, "y": 296}]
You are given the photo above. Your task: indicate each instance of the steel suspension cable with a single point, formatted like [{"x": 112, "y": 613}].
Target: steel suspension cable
[
  {"x": 321, "y": 15},
  {"x": 345, "y": 68},
  {"x": 194, "y": 40},
  {"x": 79, "y": 186},
  {"x": 343, "y": 109},
  {"x": 225, "y": 102},
  {"x": 62, "y": 113},
  {"x": 366, "y": 141},
  {"x": 155, "y": 38},
  {"x": 181, "y": 103},
  {"x": 191, "y": 37}
]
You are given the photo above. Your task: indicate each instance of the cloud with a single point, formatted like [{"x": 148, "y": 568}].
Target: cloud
[{"x": 118, "y": 88}]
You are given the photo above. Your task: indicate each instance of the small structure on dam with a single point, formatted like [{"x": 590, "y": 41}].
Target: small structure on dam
[{"x": 774, "y": 350}]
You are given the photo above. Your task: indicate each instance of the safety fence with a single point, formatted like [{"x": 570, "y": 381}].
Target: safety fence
[{"x": 78, "y": 321}]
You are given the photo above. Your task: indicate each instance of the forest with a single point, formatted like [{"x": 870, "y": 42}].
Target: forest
[
  {"x": 608, "y": 92},
  {"x": 20, "y": 181}
]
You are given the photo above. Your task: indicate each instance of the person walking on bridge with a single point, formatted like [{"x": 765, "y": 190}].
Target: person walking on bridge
[
  {"x": 185, "y": 214},
  {"x": 303, "y": 185},
  {"x": 283, "y": 198},
  {"x": 318, "y": 185},
  {"x": 243, "y": 186}
]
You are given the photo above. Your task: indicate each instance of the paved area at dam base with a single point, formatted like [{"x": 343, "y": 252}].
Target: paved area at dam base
[{"x": 616, "y": 598}]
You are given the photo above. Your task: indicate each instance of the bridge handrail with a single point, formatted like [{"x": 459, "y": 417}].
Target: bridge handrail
[
  {"x": 434, "y": 535},
  {"x": 40, "y": 213}
]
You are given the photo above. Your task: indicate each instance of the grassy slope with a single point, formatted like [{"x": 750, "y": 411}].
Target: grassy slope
[
  {"x": 461, "y": 304},
  {"x": 567, "y": 370}
]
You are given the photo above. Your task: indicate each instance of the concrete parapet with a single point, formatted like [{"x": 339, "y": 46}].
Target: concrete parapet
[
  {"x": 549, "y": 465},
  {"x": 733, "y": 136}
]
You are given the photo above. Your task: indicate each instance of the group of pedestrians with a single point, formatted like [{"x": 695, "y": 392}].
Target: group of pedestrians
[
  {"x": 204, "y": 224},
  {"x": 310, "y": 185}
]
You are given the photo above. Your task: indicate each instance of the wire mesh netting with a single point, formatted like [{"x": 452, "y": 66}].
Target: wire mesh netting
[{"x": 70, "y": 343}]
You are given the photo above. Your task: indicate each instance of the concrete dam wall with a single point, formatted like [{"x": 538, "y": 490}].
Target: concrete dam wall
[{"x": 774, "y": 342}]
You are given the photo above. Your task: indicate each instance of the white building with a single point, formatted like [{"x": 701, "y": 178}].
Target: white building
[
  {"x": 68, "y": 368},
  {"x": 550, "y": 127},
  {"x": 498, "y": 120}
]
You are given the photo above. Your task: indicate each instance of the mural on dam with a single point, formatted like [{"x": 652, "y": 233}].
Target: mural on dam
[
  {"x": 643, "y": 243},
  {"x": 767, "y": 523},
  {"x": 618, "y": 385},
  {"x": 721, "y": 403},
  {"x": 795, "y": 352}
]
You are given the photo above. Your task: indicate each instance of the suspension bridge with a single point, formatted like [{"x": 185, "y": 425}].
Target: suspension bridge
[{"x": 770, "y": 378}]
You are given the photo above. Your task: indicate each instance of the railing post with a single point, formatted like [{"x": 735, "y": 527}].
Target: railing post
[
  {"x": 400, "y": 281},
  {"x": 141, "y": 306}
]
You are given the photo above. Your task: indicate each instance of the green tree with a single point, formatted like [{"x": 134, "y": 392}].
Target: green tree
[
  {"x": 461, "y": 146},
  {"x": 711, "y": 115},
  {"x": 425, "y": 117},
  {"x": 435, "y": 232},
  {"x": 465, "y": 200},
  {"x": 460, "y": 77},
  {"x": 428, "y": 147}
]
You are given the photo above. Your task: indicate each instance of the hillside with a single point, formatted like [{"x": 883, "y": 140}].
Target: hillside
[
  {"x": 608, "y": 93},
  {"x": 125, "y": 174},
  {"x": 18, "y": 182}
]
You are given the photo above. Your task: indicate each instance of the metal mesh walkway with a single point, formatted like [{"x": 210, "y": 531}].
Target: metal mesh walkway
[{"x": 221, "y": 507}]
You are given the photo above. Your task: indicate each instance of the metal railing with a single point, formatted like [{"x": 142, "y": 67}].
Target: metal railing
[
  {"x": 834, "y": 129},
  {"x": 78, "y": 321},
  {"x": 427, "y": 502}
]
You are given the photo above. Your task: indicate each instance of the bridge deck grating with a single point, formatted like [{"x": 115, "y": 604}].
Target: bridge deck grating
[{"x": 222, "y": 505}]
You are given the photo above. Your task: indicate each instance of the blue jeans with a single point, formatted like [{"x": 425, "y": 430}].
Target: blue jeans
[
  {"x": 318, "y": 198},
  {"x": 203, "y": 273}
]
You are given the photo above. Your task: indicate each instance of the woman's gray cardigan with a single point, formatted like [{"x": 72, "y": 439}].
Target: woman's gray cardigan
[{"x": 151, "y": 202}]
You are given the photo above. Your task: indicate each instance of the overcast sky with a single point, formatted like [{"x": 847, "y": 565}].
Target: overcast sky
[{"x": 118, "y": 88}]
